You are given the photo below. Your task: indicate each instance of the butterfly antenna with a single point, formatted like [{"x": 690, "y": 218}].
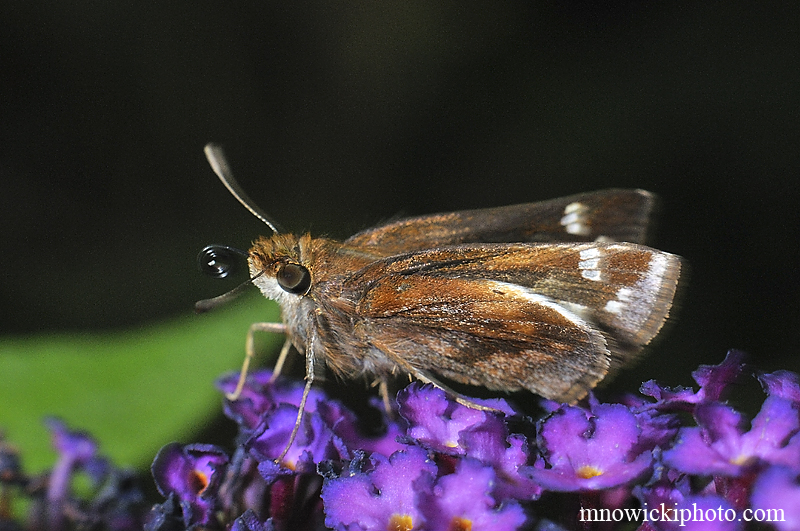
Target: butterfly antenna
[
  {"x": 216, "y": 158},
  {"x": 206, "y": 305}
]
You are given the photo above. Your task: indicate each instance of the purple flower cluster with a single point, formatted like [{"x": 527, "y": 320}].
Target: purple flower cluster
[
  {"x": 112, "y": 499},
  {"x": 668, "y": 458},
  {"x": 671, "y": 458}
]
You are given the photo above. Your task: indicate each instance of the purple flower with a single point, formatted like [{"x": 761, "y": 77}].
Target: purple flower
[
  {"x": 112, "y": 500},
  {"x": 406, "y": 492},
  {"x": 344, "y": 424},
  {"x": 508, "y": 461},
  {"x": 438, "y": 422},
  {"x": 662, "y": 494},
  {"x": 720, "y": 446},
  {"x": 192, "y": 474},
  {"x": 784, "y": 384},
  {"x": 75, "y": 446},
  {"x": 667, "y": 503},
  {"x": 548, "y": 525},
  {"x": 262, "y": 395},
  {"x": 383, "y": 498},
  {"x": 248, "y": 521},
  {"x": 776, "y": 498},
  {"x": 589, "y": 450},
  {"x": 463, "y": 500},
  {"x": 657, "y": 429},
  {"x": 713, "y": 380},
  {"x": 77, "y": 451},
  {"x": 703, "y": 513},
  {"x": 314, "y": 442}
]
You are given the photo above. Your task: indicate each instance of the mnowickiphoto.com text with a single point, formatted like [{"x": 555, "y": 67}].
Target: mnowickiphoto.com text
[{"x": 682, "y": 515}]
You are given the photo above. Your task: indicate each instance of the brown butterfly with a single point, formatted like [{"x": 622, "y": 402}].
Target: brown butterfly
[{"x": 548, "y": 297}]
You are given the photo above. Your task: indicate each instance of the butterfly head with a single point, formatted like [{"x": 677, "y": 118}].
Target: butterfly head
[{"x": 279, "y": 266}]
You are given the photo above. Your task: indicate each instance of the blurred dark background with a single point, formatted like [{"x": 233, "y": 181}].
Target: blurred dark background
[{"x": 337, "y": 115}]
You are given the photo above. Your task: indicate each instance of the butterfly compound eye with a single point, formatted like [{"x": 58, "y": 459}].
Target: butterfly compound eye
[{"x": 294, "y": 278}]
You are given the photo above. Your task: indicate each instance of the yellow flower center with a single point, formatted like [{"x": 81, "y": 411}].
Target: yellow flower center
[
  {"x": 400, "y": 522},
  {"x": 199, "y": 481},
  {"x": 742, "y": 459},
  {"x": 460, "y": 524},
  {"x": 588, "y": 471}
]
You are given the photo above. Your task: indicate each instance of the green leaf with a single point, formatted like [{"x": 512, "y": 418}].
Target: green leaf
[{"x": 133, "y": 390}]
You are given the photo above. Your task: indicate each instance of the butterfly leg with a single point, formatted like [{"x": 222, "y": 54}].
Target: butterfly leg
[
  {"x": 276, "y": 371},
  {"x": 383, "y": 390},
  {"x": 425, "y": 377},
  {"x": 310, "y": 362},
  {"x": 277, "y": 328}
]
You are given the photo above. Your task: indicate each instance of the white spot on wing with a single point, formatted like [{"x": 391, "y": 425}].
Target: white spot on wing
[
  {"x": 578, "y": 309},
  {"x": 590, "y": 264},
  {"x": 591, "y": 252},
  {"x": 574, "y": 219},
  {"x": 592, "y": 274},
  {"x": 521, "y": 291}
]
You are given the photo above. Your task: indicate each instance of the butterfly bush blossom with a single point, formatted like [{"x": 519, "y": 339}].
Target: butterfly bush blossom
[
  {"x": 111, "y": 497},
  {"x": 668, "y": 458}
]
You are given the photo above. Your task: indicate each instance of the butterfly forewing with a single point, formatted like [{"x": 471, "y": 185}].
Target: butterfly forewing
[
  {"x": 550, "y": 318},
  {"x": 607, "y": 215}
]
